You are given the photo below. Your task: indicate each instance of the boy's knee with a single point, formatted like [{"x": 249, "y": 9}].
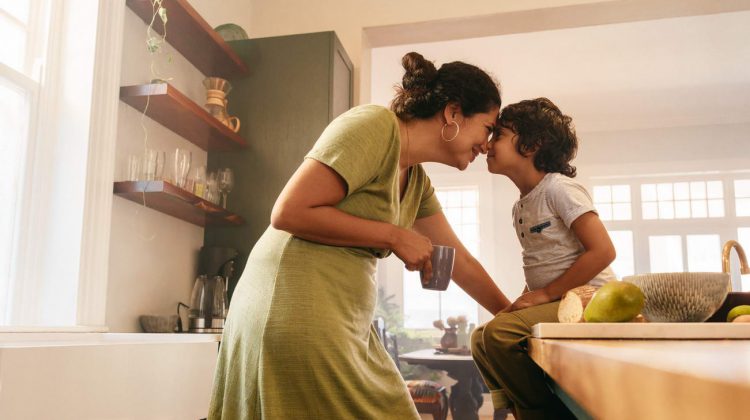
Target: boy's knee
[{"x": 505, "y": 331}]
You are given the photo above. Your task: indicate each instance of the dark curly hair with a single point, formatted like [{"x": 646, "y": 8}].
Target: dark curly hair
[
  {"x": 542, "y": 127},
  {"x": 426, "y": 90}
]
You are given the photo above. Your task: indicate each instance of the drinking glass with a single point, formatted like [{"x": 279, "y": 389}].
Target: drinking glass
[
  {"x": 182, "y": 160},
  {"x": 226, "y": 183},
  {"x": 153, "y": 164},
  {"x": 199, "y": 182},
  {"x": 134, "y": 168},
  {"x": 212, "y": 188}
]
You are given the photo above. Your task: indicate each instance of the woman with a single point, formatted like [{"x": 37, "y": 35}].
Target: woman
[{"x": 298, "y": 341}]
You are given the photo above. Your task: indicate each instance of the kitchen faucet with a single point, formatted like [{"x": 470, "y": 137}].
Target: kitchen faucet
[{"x": 725, "y": 266}]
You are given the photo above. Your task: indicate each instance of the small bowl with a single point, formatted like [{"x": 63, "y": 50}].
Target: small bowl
[
  {"x": 681, "y": 297},
  {"x": 158, "y": 323}
]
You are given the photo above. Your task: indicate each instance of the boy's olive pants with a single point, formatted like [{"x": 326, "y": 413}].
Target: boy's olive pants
[{"x": 499, "y": 350}]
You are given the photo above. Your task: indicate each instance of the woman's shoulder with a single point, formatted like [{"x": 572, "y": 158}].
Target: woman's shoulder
[{"x": 369, "y": 114}]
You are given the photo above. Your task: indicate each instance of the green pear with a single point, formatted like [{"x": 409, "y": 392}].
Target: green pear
[{"x": 616, "y": 301}]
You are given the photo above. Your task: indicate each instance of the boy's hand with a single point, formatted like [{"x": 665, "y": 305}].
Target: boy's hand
[{"x": 537, "y": 297}]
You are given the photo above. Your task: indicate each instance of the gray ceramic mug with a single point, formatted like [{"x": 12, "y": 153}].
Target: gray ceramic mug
[{"x": 442, "y": 268}]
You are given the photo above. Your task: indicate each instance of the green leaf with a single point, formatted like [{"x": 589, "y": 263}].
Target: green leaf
[{"x": 163, "y": 14}]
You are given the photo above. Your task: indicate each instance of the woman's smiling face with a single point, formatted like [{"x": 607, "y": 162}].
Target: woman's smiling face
[{"x": 472, "y": 138}]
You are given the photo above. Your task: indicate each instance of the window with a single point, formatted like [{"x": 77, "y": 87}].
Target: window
[
  {"x": 682, "y": 200},
  {"x": 742, "y": 197},
  {"x": 624, "y": 264},
  {"x": 665, "y": 253},
  {"x": 612, "y": 202},
  {"x": 48, "y": 83},
  {"x": 422, "y": 307},
  {"x": 23, "y": 30},
  {"x": 704, "y": 253}
]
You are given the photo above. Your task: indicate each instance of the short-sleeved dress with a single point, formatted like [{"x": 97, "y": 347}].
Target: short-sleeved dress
[{"x": 298, "y": 341}]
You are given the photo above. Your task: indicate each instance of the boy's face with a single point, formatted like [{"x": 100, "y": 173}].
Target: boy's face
[{"x": 502, "y": 156}]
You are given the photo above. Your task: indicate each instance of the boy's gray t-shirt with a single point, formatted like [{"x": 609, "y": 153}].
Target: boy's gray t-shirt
[{"x": 542, "y": 220}]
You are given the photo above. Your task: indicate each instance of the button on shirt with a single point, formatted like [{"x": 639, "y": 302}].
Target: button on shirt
[{"x": 542, "y": 220}]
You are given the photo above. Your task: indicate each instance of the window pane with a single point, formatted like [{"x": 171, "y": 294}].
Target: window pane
[
  {"x": 621, "y": 193},
  {"x": 742, "y": 188},
  {"x": 704, "y": 253},
  {"x": 697, "y": 190},
  {"x": 455, "y": 302},
  {"x": 602, "y": 194},
  {"x": 621, "y": 211},
  {"x": 624, "y": 264},
  {"x": 716, "y": 208},
  {"x": 743, "y": 237},
  {"x": 13, "y": 122},
  {"x": 13, "y": 52},
  {"x": 715, "y": 189},
  {"x": 453, "y": 214},
  {"x": 666, "y": 210},
  {"x": 648, "y": 192},
  {"x": 19, "y": 9},
  {"x": 421, "y": 306},
  {"x": 681, "y": 191},
  {"x": 682, "y": 209},
  {"x": 665, "y": 253},
  {"x": 469, "y": 198},
  {"x": 453, "y": 199},
  {"x": 650, "y": 211},
  {"x": 698, "y": 208},
  {"x": 664, "y": 191},
  {"x": 743, "y": 207},
  {"x": 605, "y": 211}
]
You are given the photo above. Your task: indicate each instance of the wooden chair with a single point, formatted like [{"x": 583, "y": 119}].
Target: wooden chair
[{"x": 429, "y": 397}]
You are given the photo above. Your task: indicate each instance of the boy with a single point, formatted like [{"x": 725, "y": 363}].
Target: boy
[{"x": 565, "y": 245}]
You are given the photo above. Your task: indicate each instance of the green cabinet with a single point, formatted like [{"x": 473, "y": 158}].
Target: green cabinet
[{"x": 295, "y": 86}]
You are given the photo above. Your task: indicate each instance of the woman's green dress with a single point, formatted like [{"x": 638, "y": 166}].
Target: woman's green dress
[{"x": 298, "y": 341}]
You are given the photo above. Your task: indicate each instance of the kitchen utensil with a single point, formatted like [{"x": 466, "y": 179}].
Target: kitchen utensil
[{"x": 208, "y": 305}]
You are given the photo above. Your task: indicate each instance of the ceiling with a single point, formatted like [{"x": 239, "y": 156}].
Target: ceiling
[{"x": 656, "y": 73}]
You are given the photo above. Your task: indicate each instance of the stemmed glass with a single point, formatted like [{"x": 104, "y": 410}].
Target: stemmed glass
[{"x": 226, "y": 183}]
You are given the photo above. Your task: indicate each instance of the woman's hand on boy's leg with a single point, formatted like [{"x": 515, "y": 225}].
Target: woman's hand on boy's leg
[{"x": 537, "y": 297}]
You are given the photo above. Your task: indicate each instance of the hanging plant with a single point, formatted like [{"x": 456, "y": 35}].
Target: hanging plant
[{"x": 154, "y": 41}]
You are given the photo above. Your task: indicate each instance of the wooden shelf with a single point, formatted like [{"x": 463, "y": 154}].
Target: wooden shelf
[
  {"x": 193, "y": 37},
  {"x": 172, "y": 109},
  {"x": 174, "y": 201}
]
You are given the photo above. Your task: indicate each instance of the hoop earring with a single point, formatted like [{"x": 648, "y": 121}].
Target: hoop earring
[{"x": 442, "y": 131}]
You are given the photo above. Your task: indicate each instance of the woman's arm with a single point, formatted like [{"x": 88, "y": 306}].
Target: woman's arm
[
  {"x": 599, "y": 253},
  {"x": 306, "y": 209},
  {"x": 468, "y": 273}
]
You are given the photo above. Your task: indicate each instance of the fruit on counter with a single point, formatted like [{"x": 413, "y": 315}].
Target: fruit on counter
[
  {"x": 738, "y": 311},
  {"x": 573, "y": 303},
  {"x": 616, "y": 301}
]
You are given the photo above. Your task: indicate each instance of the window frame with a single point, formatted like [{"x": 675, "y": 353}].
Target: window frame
[
  {"x": 107, "y": 19},
  {"x": 726, "y": 226}
]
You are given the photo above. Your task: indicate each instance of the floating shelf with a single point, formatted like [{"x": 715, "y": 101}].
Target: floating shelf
[
  {"x": 174, "y": 201},
  {"x": 172, "y": 109},
  {"x": 193, "y": 37}
]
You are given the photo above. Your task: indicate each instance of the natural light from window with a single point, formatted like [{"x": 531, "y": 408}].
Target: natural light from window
[{"x": 422, "y": 307}]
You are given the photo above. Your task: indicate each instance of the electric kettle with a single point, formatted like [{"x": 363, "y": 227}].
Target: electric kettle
[{"x": 208, "y": 305}]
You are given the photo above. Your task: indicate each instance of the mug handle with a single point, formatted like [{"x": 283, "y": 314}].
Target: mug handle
[{"x": 234, "y": 123}]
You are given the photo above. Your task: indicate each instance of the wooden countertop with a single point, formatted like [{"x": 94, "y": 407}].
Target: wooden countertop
[{"x": 651, "y": 379}]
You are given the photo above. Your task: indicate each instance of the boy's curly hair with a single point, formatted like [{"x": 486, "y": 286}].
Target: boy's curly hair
[{"x": 542, "y": 127}]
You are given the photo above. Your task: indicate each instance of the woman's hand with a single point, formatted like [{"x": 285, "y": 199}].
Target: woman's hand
[
  {"x": 537, "y": 297},
  {"x": 414, "y": 250}
]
